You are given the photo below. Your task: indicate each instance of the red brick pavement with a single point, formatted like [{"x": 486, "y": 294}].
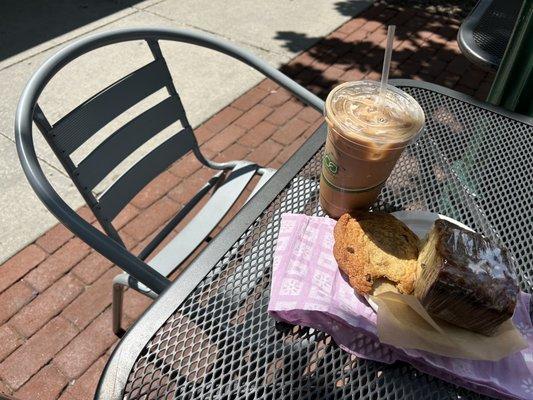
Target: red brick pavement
[{"x": 55, "y": 329}]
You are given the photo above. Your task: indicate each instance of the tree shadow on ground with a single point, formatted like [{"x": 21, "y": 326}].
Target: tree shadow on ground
[
  {"x": 452, "y": 8},
  {"x": 425, "y": 48},
  {"x": 350, "y": 7}
]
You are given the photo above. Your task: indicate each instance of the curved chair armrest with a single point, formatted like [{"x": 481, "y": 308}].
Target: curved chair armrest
[
  {"x": 202, "y": 39},
  {"x": 225, "y": 47}
]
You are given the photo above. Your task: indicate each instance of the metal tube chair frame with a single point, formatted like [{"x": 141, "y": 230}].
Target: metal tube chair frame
[{"x": 71, "y": 131}]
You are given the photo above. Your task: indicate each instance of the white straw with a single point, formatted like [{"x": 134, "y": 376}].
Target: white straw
[{"x": 386, "y": 61}]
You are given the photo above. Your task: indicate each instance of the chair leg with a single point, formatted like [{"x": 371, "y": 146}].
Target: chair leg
[{"x": 119, "y": 282}]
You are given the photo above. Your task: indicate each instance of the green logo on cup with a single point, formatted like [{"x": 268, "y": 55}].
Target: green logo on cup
[{"x": 330, "y": 164}]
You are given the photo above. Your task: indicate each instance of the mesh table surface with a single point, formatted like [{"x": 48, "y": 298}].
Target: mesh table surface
[{"x": 471, "y": 164}]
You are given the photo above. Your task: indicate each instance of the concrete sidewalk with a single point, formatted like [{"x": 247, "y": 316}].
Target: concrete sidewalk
[{"x": 206, "y": 81}]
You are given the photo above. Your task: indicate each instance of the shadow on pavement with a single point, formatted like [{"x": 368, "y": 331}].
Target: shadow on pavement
[
  {"x": 425, "y": 48},
  {"x": 348, "y": 8},
  {"x": 27, "y": 23},
  {"x": 452, "y": 8}
]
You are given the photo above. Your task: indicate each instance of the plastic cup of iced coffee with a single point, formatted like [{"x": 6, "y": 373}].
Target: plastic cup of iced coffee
[{"x": 368, "y": 130}]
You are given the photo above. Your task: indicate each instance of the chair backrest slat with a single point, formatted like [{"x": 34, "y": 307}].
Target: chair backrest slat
[
  {"x": 75, "y": 128},
  {"x": 118, "y": 146},
  {"x": 154, "y": 163}
]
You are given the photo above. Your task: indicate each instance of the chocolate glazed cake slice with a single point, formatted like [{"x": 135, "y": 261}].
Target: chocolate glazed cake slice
[{"x": 465, "y": 279}]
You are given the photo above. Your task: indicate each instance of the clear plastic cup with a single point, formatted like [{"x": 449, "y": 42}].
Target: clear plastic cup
[{"x": 367, "y": 133}]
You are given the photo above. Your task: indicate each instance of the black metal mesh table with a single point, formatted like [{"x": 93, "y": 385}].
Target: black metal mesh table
[
  {"x": 209, "y": 335},
  {"x": 485, "y": 33}
]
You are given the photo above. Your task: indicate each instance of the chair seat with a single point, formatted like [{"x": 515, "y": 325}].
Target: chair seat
[{"x": 199, "y": 227}]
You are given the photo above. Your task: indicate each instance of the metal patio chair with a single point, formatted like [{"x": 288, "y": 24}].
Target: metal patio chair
[
  {"x": 485, "y": 33},
  {"x": 75, "y": 128}
]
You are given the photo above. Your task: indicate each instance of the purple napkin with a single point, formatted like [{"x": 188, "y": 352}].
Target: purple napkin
[{"x": 307, "y": 289}]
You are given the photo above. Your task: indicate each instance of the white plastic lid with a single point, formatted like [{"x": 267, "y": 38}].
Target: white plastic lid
[{"x": 358, "y": 111}]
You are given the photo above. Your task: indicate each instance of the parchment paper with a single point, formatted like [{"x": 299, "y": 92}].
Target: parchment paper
[{"x": 403, "y": 322}]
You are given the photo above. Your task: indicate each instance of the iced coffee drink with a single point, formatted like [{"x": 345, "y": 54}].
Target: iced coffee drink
[{"x": 367, "y": 132}]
